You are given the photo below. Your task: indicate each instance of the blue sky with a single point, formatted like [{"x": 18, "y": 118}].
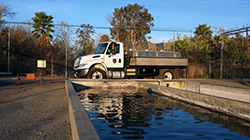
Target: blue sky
[{"x": 173, "y": 15}]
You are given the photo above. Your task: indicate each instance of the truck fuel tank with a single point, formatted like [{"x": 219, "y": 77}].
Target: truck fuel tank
[{"x": 116, "y": 74}]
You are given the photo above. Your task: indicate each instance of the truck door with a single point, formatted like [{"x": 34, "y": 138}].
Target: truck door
[{"x": 114, "y": 59}]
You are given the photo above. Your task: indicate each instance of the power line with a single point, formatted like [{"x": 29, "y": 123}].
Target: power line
[
  {"x": 96, "y": 27},
  {"x": 241, "y": 30}
]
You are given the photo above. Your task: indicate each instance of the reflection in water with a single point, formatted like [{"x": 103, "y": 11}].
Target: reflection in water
[{"x": 129, "y": 114}]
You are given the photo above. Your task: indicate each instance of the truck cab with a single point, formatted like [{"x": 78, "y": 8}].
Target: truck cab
[{"x": 107, "y": 57}]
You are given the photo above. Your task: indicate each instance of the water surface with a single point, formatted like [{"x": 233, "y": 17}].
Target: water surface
[{"x": 130, "y": 114}]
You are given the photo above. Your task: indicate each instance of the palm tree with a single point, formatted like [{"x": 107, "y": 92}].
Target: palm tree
[{"x": 42, "y": 29}]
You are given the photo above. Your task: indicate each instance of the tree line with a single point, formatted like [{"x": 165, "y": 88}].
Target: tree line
[
  {"x": 41, "y": 40},
  {"x": 204, "y": 52}
]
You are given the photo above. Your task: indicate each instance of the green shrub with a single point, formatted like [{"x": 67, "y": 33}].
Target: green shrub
[{"x": 215, "y": 75}]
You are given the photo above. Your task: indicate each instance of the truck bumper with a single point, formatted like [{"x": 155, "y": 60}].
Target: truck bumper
[{"x": 81, "y": 72}]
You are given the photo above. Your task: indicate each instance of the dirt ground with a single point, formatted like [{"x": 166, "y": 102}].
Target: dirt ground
[{"x": 33, "y": 112}]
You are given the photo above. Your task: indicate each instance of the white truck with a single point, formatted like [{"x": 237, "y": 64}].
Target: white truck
[{"x": 110, "y": 60}]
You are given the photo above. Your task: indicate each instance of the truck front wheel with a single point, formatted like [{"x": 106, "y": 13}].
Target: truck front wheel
[
  {"x": 167, "y": 75},
  {"x": 96, "y": 74}
]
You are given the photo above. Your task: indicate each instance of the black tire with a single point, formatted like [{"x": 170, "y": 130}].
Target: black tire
[
  {"x": 167, "y": 74},
  {"x": 96, "y": 74}
]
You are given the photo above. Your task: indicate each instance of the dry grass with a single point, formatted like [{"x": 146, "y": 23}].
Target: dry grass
[
  {"x": 195, "y": 69},
  {"x": 246, "y": 84},
  {"x": 54, "y": 75}
]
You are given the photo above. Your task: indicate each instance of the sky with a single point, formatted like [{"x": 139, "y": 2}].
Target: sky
[{"x": 181, "y": 16}]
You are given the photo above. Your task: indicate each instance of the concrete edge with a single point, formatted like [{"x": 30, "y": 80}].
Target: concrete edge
[
  {"x": 222, "y": 105},
  {"x": 81, "y": 126}
]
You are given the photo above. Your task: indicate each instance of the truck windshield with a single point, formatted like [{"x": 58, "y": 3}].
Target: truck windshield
[{"x": 100, "y": 49}]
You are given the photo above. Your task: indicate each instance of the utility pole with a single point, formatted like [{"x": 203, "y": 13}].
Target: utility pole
[
  {"x": 66, "y": 51},
  {"x": 174, "y": 42},
  {"x": 247, "y": 43},
  {"x": 52, "y": 59},
  {"x": 242, "y": 59},
  {"x": 9, "y": 50},
  {"x": 132, "y": 38},
  {"x": 52, "y": 65},
  {"x": 221, "y": 56},
  {"x": 132, "y": 34}
]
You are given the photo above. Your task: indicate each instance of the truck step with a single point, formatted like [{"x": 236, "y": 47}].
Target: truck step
[{"x": 131, "y": 72}]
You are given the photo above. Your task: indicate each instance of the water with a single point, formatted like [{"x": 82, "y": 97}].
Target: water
[{"x": 140, "y": 115}]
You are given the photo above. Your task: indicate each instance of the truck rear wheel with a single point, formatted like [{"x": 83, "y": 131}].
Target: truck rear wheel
[
  {"x": 167, "y": 75},
  {"x": 96, "y": 74}
]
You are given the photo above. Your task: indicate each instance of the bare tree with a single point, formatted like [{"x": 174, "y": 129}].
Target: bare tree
[{"x": 5, "y": 11}]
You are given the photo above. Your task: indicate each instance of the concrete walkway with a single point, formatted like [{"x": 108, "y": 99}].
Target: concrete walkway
[
  {"x": 228, "y": 82},
  {"x": 31, "y": 112}
]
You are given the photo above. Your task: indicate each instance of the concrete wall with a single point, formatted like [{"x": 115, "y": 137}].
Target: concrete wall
[
  {"x": 236, "y": 93},
  {"x": 225, "y": 91},
  {"x": 223, "y": 105}
]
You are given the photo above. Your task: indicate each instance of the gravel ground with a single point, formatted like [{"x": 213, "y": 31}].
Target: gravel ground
[{"x": 33, "y": 112}]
